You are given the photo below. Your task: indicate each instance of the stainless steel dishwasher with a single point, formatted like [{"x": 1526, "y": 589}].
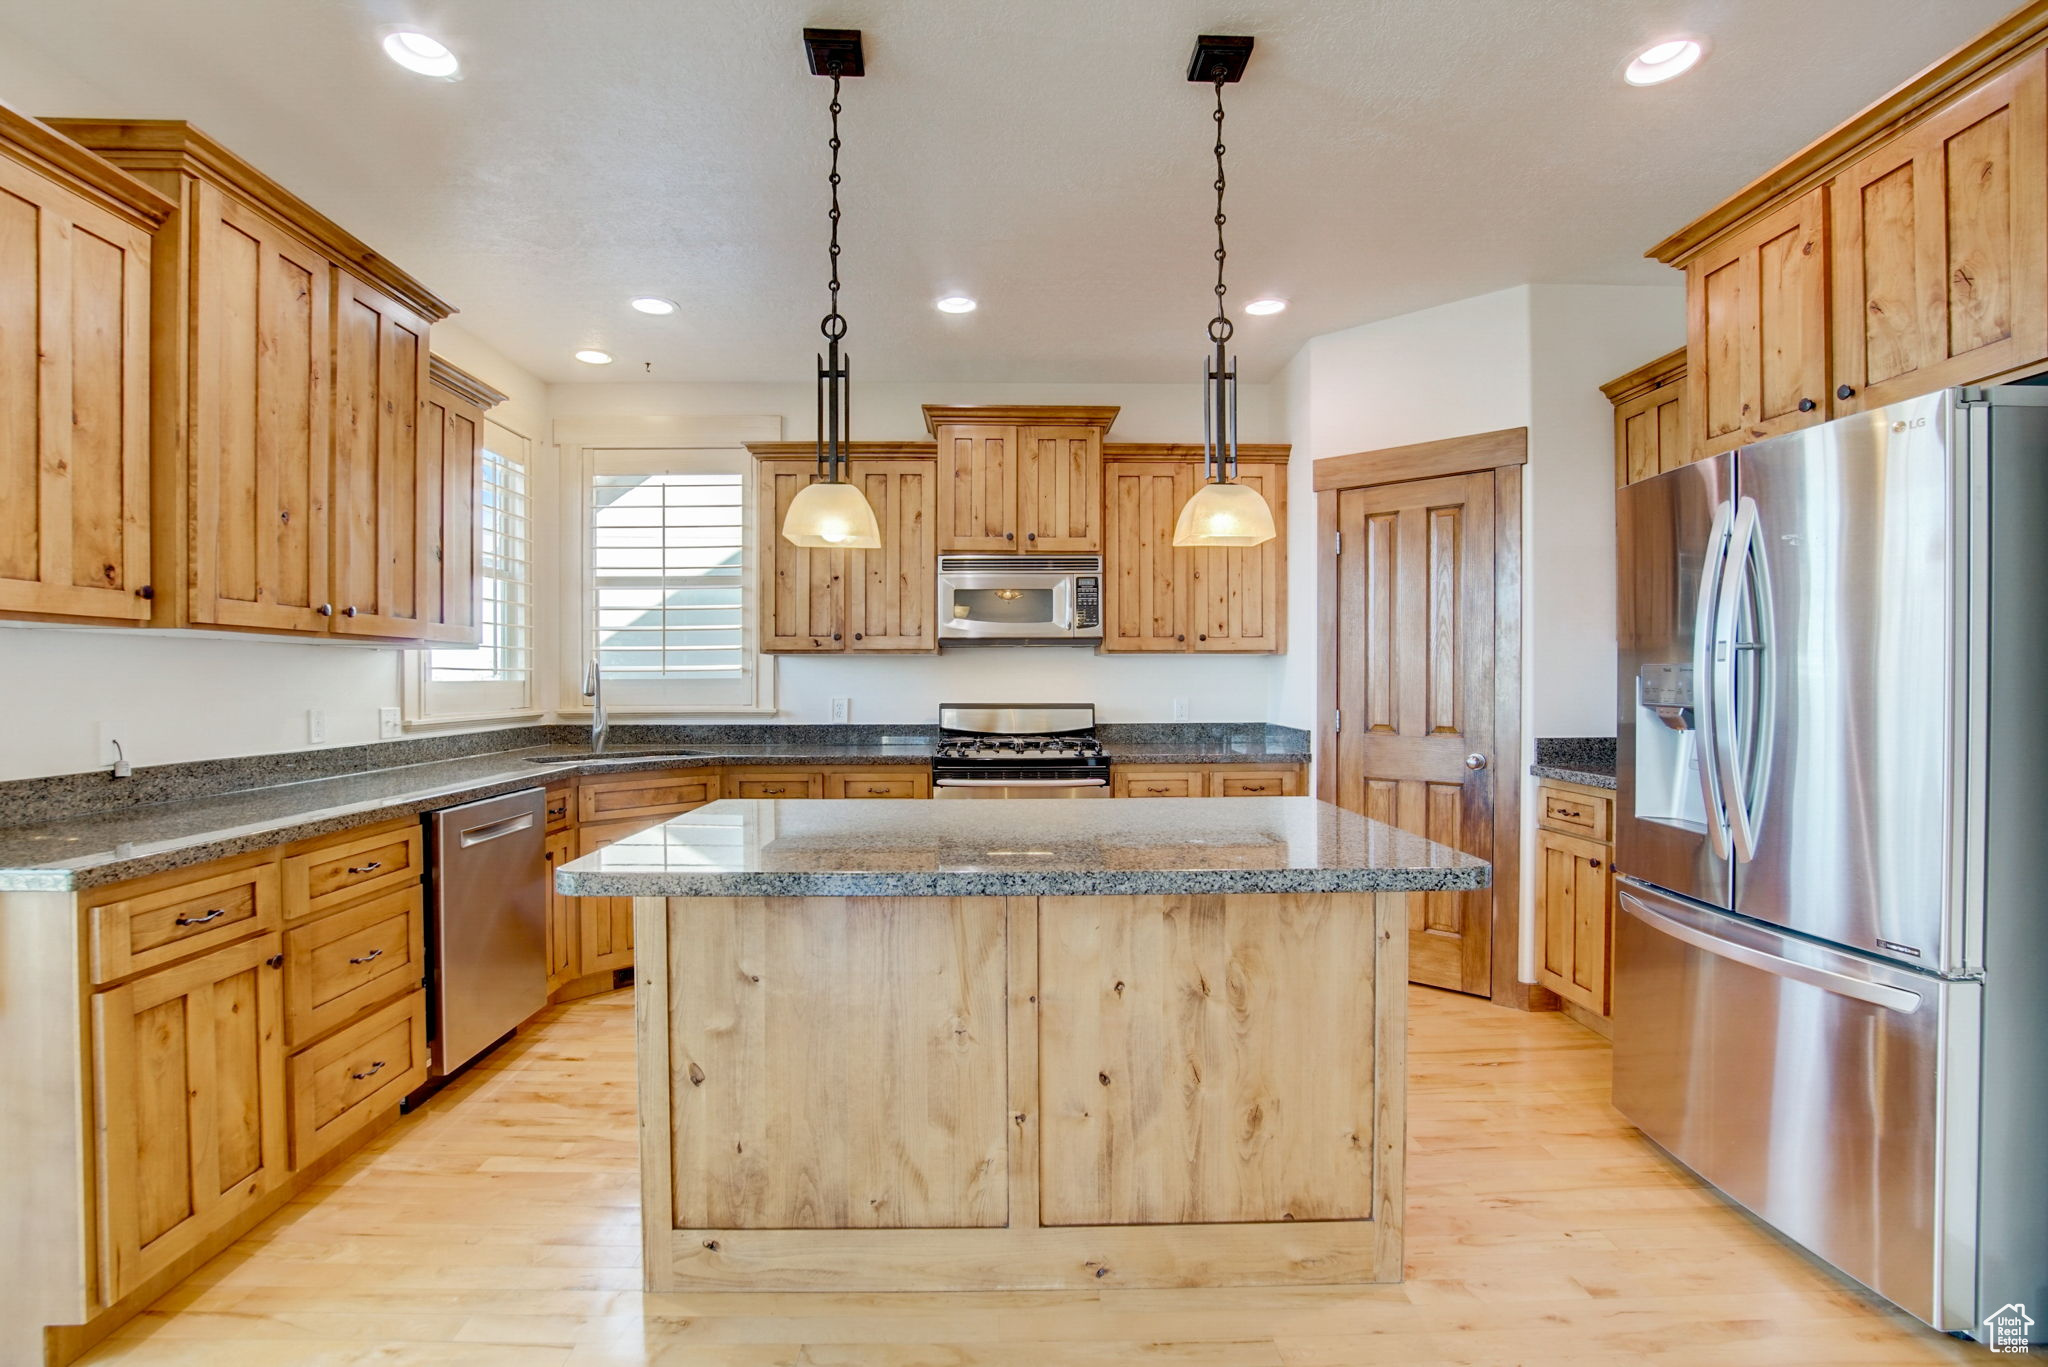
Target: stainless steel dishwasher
[{"x": 487, "y": 893}]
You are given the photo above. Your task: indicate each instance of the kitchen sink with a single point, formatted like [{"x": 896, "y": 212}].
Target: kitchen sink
[{"x": 622, "y": 752}]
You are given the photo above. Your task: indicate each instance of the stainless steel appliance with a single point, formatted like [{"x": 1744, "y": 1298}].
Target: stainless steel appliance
[
  {"x": 1012, "y": 750},
  {"x": 487, "y": 889},
  {"x": 1831, "y": 957},
  {"x": 992, "y": 599}
]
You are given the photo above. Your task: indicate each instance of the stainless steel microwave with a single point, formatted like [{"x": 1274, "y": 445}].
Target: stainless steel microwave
[{"x": 1015, "y": 598}]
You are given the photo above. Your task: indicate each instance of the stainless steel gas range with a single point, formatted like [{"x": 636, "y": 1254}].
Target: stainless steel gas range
[{"x": 1011, "y": 750}]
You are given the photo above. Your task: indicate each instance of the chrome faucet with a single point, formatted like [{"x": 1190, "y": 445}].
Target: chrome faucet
[{"x": 593, "y": 689}]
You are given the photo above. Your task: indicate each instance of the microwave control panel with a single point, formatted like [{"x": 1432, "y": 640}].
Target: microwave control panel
[{"x": 1087, "y": 601}]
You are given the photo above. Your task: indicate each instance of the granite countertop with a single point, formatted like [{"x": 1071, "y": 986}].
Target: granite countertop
[
  {"x": 1576, "y": 759},
  {"x": 1122, "y": 847},
  {"x": 1591, "y": 778},
  {"x": 96, "y": 848}
]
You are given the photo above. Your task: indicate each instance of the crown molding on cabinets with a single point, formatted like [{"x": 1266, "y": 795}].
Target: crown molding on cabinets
[
  {"x": 80, "y": 170},
  {"x": 462, "y": 384},
  {"x": 1034, "y": 415}
]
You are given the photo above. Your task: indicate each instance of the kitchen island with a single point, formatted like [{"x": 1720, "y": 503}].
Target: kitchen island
[{"x": 979, "y": 1045}]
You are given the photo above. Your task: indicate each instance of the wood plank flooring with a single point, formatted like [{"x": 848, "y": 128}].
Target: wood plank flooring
[{"x": 498, "y": 1228}]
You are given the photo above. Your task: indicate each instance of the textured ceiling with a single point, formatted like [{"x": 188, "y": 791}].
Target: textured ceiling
[{"x": 1045, "y": 157}]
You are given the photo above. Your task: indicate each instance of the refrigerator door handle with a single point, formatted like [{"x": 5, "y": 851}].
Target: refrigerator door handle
[
  {"x": 1727, "y": 609},
  {"x": 1702, "y": 675},
  {"x": 1842, "y": 984}
]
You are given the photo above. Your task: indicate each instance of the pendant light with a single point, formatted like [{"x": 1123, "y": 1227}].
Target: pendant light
[
  {"x": 830, "y": 513},
  {"x": 1222, "y": 512}
]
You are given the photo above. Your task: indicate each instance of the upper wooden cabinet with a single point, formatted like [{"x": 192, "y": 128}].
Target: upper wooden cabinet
[
  {"x": 1023, "y": 479},
  {"x": 289, "y": 365},
  {"x": 1650, "y": 433},
  {"x": 1941, "y": 246},
  {"x": 75, "y": 252},
  {"x": 816, "y": 601}
]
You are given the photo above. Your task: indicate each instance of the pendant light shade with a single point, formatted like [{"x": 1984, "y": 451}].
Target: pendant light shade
[
  {"x": 1223, "y": 515},
  {"x": 836, "y": 517}
]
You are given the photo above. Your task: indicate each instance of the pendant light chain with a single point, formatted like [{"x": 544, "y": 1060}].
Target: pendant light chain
[
  {"x": 834, "y": 323},
  {"x": 835, "y": 408},
  {"x": 1220, "y": 327}
]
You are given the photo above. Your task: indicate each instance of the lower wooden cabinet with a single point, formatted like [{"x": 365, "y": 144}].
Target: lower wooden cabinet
[
  {"x": 340, "y": 965},
  {"x": 1575, "y": 894},
  {"x": 562, "y": 937},
  {"x": 189, "y": 1063},
  {"x": 347, "y": 1080},
  {"x": 1211, "y": 780},
  {"x": 901, "y": 781}
]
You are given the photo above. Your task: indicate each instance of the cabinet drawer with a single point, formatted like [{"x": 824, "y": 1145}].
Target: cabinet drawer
[
  {"x": 590, "y": 839},
  {"x": 906, "y": 782},
  {"x": 350, "y": 868},
  {"x": 560, "y": 808},
  {"x": 647, "y": 795},
  {"x": 339, "y": 965},
  {"x": 794, "y": 783},
  {"x": 1157, "y": 782},
  {"x": 340, "y": 1084},
  {"x": 1578, "y": 813},
  {"x": 162, "y": 920},
  {"x": 1231, "y": 782}
]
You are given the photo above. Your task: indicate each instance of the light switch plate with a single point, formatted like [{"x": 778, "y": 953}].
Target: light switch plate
[
  {"x": 316, "y": 726},
  {"x": 1180, "y": 709},
  {"x": 842, "y": 711},
  {"x": 389, "y": 727}
]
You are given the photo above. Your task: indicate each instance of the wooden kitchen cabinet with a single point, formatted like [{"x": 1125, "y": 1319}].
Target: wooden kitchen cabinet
[
  {"x": 1240, "y": 592},
  {"x": 1941, "y": 246},
  {"x": 1059, "y": 489},
  {"x": 288, "y": 367},
  {"x": 445, "y": 549},
  {"x": 803, "y": 602},
  {"x": 563, "y": 938},
  {"x": 885, "y": 600},
  {"x": 977, "y": 471},
  {"x": 189, "y": 1066},
  {"x": 1019, "y": 479},
  {"x": 75, "y": 251},
  {"x": 1651, "y": 435},
  {"x": 1575, "y": 897},
  {"x": 1756, "y": 329}
]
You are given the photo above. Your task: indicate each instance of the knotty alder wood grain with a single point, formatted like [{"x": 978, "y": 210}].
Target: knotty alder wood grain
[{"x": 990, "y": 1093}]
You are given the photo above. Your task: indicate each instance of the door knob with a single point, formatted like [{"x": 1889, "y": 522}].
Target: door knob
[{"x": 1475, "y": 761}]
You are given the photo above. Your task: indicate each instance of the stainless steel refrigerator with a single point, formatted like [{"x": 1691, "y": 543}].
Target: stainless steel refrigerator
[{"x": 1831, "y": 944}]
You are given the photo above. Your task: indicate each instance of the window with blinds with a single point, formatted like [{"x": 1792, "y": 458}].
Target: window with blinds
[{"x": 495, "y": 676}]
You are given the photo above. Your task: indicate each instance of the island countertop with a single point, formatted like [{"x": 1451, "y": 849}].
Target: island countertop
[{"x": 1123, "y": 847}]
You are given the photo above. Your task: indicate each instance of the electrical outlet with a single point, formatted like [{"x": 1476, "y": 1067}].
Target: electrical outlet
[
  {"x": 389, "y": 727},
  {"x": 1180, "y": 709},
  {"x": 316, "y": 726},
  {"x": 842, "y": 711}
]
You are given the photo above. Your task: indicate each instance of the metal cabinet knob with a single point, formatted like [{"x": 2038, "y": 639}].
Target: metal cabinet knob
[
  {"x": 325, "y": 609},
  {"x": 1593, "y": 863},
  {"x": 1009, "y": 536},
  {"x": 349, "y": 611},
  {"x": 1846, "y": 392},
  {"x": 1475, "y": 761},
  {"x": 1807, "y": 405},
  {"x": 1031, "y": 536}
]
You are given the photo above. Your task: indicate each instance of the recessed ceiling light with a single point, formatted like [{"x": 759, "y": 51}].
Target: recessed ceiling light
[
  {"x": 649, "y": 303},
  {"x": 956, "y": 303},
  {"x": 594, "y": 357},
  {"x": 1262, "y": 307},
  {"x": 417, "y": 52},
  {"x": 1661, "y": 61}
]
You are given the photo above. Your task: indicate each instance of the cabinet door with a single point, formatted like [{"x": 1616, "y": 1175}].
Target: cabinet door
[
  {"x": 1650, "y": 433},
  {"x": 445, "y": 541},
  {"x": 1240, "y": 592},
  {"x": 260, "y": 413},
  {"x": 1574, "y": 891},
  {"x": 1941, "y": 247},
  {"x": 893, "y": 591},
  {"x": 977, "y": 488},
  {"x": 1059, "y": 489},
  {"x": 189, "y": 1070},
  {"x": 563, "y": 934},
  {"x": 604, "y": 925},
  {"x": 1149, "y": 590},
  {"x": 1756, "y": 348},
  {"x": 802, "y": 603},
  {"x": 380, "y": 381},
  {"x": 74, "y": 404}
]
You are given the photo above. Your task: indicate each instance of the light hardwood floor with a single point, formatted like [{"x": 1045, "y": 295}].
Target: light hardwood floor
[{"x": 498, "y": 1227}]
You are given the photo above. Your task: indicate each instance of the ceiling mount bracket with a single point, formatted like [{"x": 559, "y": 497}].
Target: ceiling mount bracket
[
  {"x": 1219, "y": 57},
  {"x": 826, "y": 46}
]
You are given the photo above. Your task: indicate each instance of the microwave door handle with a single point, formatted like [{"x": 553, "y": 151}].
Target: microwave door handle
[
  {"x": 1727, "y": 613},
  {"x": 1063, "y": 604},
  {"x": 1707, "y": 758}
]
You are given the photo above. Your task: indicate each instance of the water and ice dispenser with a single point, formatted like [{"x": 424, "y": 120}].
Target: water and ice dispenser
[{"x": 1667, "y": 778}]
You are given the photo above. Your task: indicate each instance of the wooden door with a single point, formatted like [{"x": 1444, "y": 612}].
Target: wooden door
[
  {"x": 1150, "y": 595},
  {"x": 564, "y": 936},
  {"x": 1941, "y": 247},
  {"x": 977, "y": 488},
  {"x": 1756, "y": 329},
  {"x": 803, "y": 604},
  {"x": 1574, "y": 906},
  {"x": 892, "y": 592},
  {"x": 1411, "y": 628},
  {"x": 261, "y": 531},
  {"x": 380, "y": 382},
  {"x": 189, "y": 1063},
  {"x": 1059, "y": 489},
  {"x": 451, "y": 453},
  {"x": 74, "y": 404},
  {"x": 1650, "y": 433},
  {"x": 1240, "y": 592}
]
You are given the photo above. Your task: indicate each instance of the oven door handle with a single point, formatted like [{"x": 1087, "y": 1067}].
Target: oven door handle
[{"x": 1020, "y": 783}]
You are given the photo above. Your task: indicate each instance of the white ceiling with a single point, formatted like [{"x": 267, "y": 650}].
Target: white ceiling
[{"x": 1046, "y": 157}]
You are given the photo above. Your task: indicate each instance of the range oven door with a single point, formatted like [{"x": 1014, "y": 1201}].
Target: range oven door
[{"x": 1019, "y": 787}]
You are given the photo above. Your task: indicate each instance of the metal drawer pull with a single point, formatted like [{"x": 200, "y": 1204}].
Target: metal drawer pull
[
  {"x": 1570, "y": 813},
  {"x": 372, "y": 955},
  {"x": 375, "y": 1068},
  {"x": 491, "y": 830},
  {"x": 878, "y": 790},
  {"x": 775, "y": 789},
  {"x": 213, "y": 915},
  {"x": 371, "y": 867}
]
